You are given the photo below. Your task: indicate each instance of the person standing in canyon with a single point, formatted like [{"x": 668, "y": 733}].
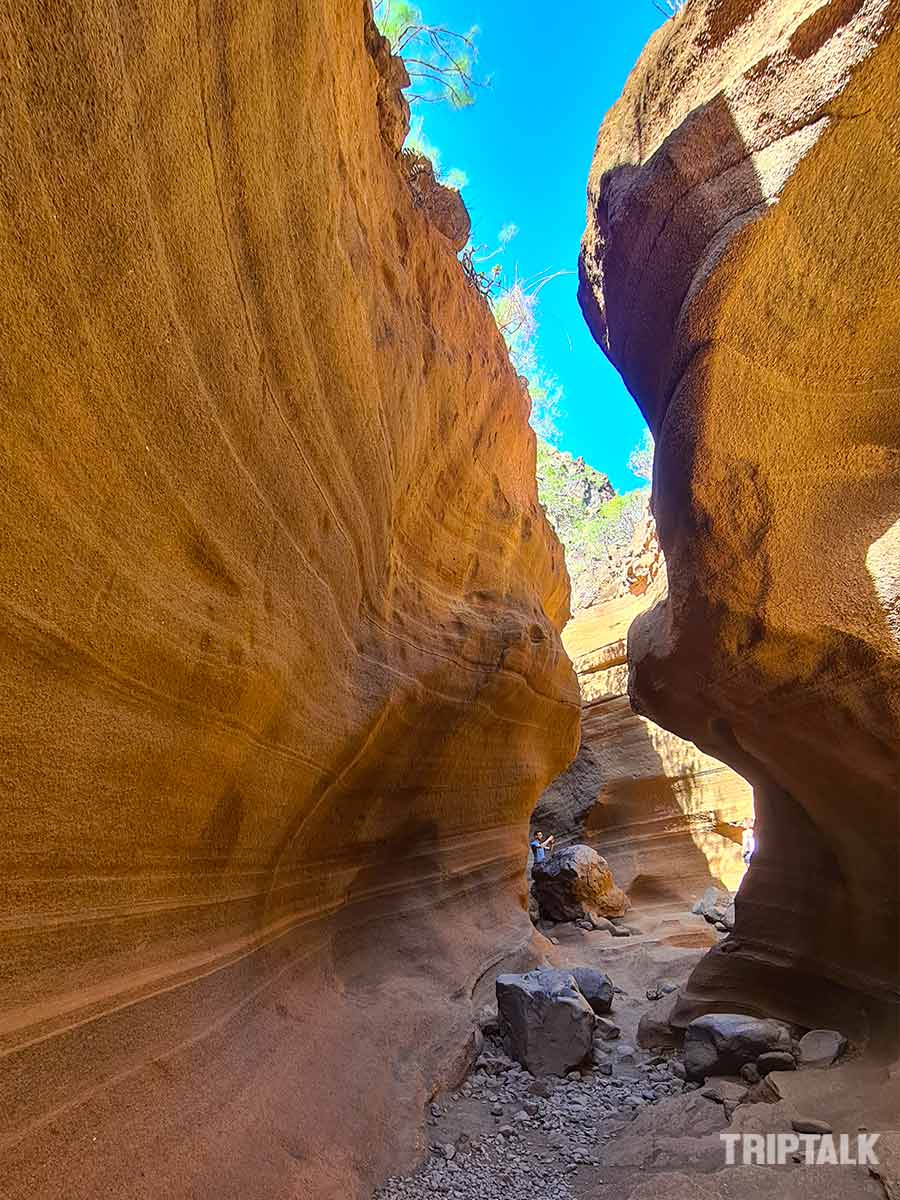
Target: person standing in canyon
[
  {"x": 540, "y": 847},
  {"x": 748, "y": 841}
]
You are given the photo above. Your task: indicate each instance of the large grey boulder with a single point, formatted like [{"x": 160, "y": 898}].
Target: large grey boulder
[
  {"x": 721, "y": 1043},
  {"x": 596, "y": 987},
  {"x": 575, "y": 883},
  {"x": 547, "y": 1024},
  {"x": 716, "y": 906}
]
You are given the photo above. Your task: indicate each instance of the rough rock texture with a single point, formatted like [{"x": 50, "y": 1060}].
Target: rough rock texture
[
  {"x": 576, "y": 883},
  {"x": 660, "y": 811},
  {"x": 443, "y": 206},
  {"x": 281, "y": 678},
  {"x": 740, "y": 268},
  {"x": 547, "y": 1024}
]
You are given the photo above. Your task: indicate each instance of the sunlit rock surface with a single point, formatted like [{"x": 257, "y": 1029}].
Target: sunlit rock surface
[
  {"x": 281, "y": 674},
  {"x": 662, "y": 813},
  {"x": 740, "y": 268}
]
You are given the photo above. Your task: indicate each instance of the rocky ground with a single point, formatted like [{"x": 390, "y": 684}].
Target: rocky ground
[{"x": 630, "y": 1125}]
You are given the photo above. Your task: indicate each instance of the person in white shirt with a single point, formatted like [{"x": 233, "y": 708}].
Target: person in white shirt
[{"x": 748, "y": 841}]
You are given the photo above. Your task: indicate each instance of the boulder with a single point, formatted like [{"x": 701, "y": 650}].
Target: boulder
[
  {"x": 715, "y": 905},
  {"x": 821, "y": 1047},
  {"x": 575, "y": 883},
  {"x": 596, "y": 987},
  {"x": 547, "y": 1024},
  {"x": 721, "y": 1043}
]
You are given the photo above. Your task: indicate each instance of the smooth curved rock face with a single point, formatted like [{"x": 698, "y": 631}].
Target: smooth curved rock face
[
  {"x": 281, "y": 677},
  {"x": 661, "y": 812},
  {"x": 575, "y": 883},
  {"x": 740, "y": 268}
]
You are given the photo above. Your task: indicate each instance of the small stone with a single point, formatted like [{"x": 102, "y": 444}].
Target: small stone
[
  {"x": 542, "y": 1087},
  {"x": 776, "y": 1060},
  {"x": 750, "y": 1074},
  {"x": 496, "y": 1110},
  {"x": 531, "y": 1107},
  {"x": 601, "y": 923},
  {"x": 654, "y": 993},
  {"x": 585, "y": 924},
  {"x": 507, "y": 1131},
  {"x": 607, "y": 1030},
  {"x": 808, "y": 1125},
  {"x": 724, "y": 1091},
  {"x": 620, "y": 931},
  {"x": 604, "y": 1068}
]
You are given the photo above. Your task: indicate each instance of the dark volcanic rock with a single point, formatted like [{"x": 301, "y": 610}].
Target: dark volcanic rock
[
  {"x": 575, "y": 882},
  {"x": 548, "y": 1025},
  {"x": 596, "y": 987},
  {"x": 721, "y": 1043}
]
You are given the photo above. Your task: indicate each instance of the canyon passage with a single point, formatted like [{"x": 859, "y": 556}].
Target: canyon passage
[{"x": 293, "y": 675}]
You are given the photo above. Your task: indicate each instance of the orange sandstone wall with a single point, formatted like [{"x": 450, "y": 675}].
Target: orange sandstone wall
[
  {"x": 740, "y": 268},
  {"x": 279, "y": 612},
  {"x": 654, "y": 805}
]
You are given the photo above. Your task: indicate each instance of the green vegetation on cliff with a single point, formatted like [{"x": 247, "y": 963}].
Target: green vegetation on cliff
[{"x": 593, "y": 523}]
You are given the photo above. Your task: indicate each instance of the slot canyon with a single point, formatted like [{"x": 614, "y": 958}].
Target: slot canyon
[{"x": 292, "y": 669}]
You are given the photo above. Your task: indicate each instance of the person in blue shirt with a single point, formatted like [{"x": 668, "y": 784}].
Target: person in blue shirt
[{"x": 540, "y": 847}]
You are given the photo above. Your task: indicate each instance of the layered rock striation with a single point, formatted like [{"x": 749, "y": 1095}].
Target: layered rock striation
[
  {"x": 281, "y": 673},
  {"x": 739, "y": 267},
  {"x": 659, "y": 810}
]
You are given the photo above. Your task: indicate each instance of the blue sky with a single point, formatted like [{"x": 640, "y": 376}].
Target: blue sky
[{"x": 526, "y": 147}]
